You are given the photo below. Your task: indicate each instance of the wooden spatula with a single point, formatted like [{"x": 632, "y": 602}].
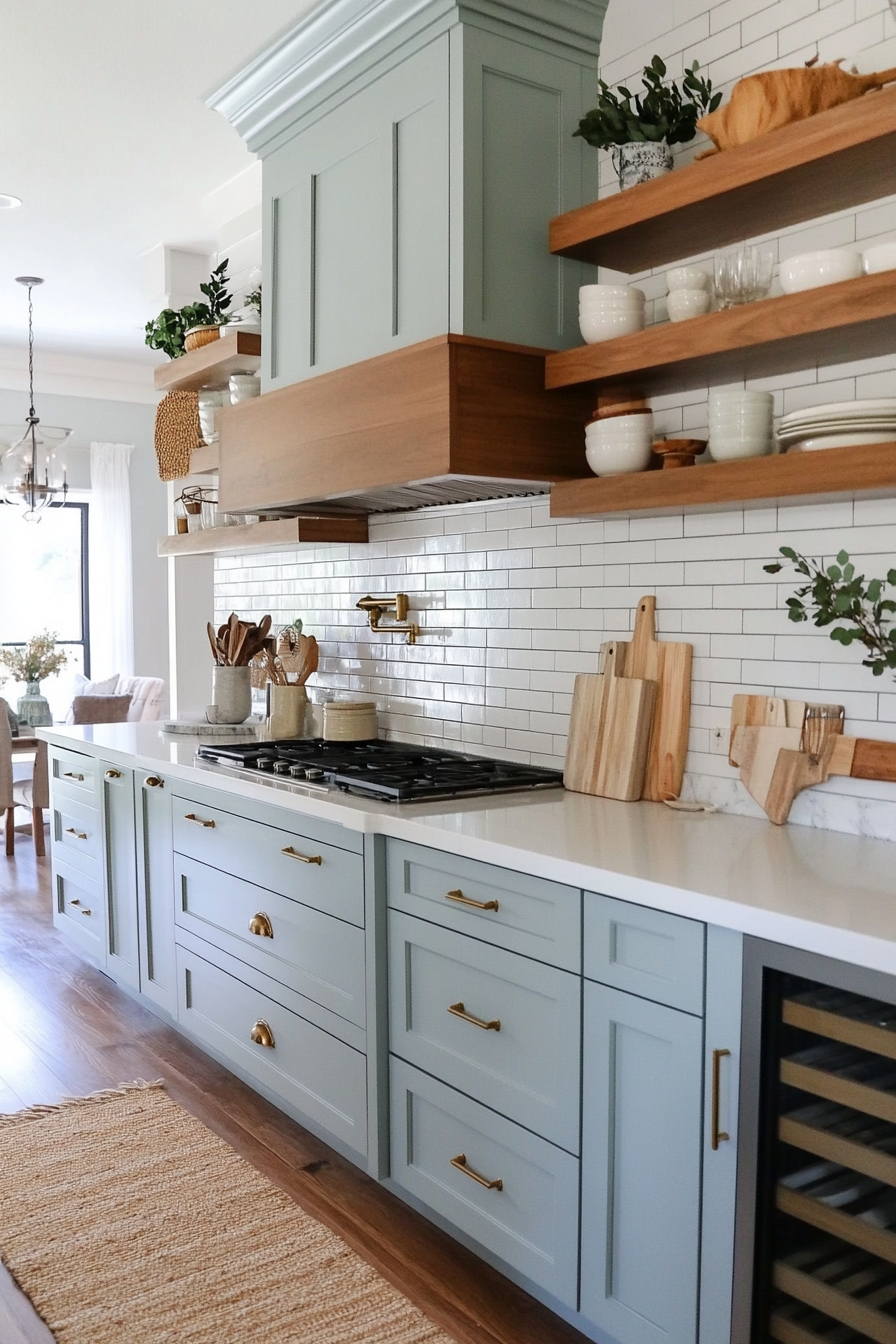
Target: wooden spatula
[
  {"x": 669, "y": 665},
  {"x": 609, "y": 732}
]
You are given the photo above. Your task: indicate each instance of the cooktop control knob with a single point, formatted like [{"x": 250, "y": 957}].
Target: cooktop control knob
[
  {"x": 280, "y": 767},
  {"x": 312, "y": 772}
]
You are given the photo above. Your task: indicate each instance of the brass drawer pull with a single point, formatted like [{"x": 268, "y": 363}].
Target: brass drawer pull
[
  {"x": 70, "y": 774},
  {"x": 261, "y": 1034},
  {"x": 113, "y": 774},
  {"x": 718, "y": 1135},
  {"x": 468, "y": 900},
  {"x": 302, "y": 858},
  {"x": 153, "y": 782},
  {"x": 81, "y": 835},
  {"x": 460, "y": 1162},
  {"x": 261, "y": 925},
  {"x": 458, "y": 1010},
  {"x": 83, "y": 911},
  {"x": 191, "y": 816},
  {"x": 75, "y": 901}
]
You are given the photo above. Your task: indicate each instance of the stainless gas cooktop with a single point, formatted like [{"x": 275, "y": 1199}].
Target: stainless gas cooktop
[{"x": 391, "y": 771}]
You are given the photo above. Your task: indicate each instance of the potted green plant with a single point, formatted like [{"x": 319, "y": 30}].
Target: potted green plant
[
  {"x": 31, "y": 663},
  {"x": 176, "y": 330},
  {"x": 639, "y": 128}
]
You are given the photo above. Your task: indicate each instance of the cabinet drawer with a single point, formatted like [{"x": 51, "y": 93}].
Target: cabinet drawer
[
  {"x": 318, "y": 1074},
  {"x": 530, "y": 1221},
  {"x": 646, "y": 952},
  {"x": 315, "y": 954},
  {"x": 517, "y": 1048},
  {"x": 79, "y": 909},
  {"x": 73, "y": 774},
  {"x": 77, "y": 834},
  {"x": 289, "y": 862},
  {"x": 530, "y": 915}
]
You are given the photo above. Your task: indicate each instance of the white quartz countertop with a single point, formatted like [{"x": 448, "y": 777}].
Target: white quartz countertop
[{"x": 818, "y": 890}]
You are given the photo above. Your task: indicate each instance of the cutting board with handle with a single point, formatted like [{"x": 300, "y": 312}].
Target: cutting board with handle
[
  {"x": 667, "y": 663},
  {"x": 609, "y": 731}
]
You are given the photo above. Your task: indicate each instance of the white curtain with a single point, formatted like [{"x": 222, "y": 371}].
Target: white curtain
[{"x": 109, "y": 558}]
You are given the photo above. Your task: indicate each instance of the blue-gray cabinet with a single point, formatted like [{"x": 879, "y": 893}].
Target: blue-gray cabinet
[
  {"x": 155, "y": 886},
  {"x": 123, "y": 940}
]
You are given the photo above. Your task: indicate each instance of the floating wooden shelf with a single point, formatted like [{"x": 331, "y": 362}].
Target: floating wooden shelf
[
  {"x": 840, "y": 158},
  {"x": 211, "y": 365},
  {"x": 204, "y": 460},
  {"x": 852, "y": 320},
  {"x": 315, "y": 529},
  {"x": 835, "y": 473}
]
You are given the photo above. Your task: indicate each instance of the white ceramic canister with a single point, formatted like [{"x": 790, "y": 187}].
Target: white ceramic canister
[
  {"x": 210, "y": 402},
  {"x": 244, "y": 386},
  {"x": 232, "y": 694},
  {"x": 349, "y": 721}
]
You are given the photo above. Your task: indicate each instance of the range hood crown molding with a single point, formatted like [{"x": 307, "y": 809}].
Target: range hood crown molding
[{"x": 346, "y": 37}]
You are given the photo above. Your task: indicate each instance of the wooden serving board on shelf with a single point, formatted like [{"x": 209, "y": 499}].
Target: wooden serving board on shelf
[{"x": 609, "y": 732}]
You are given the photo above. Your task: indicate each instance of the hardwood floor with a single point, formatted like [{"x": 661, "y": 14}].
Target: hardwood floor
[{"x": 66, "y": 1029}]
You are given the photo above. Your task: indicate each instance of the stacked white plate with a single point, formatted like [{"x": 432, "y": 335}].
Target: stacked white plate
[{"x": 841, "y": 424}]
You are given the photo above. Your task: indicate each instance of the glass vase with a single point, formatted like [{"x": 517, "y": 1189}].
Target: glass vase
[{"x": 33, "y": 708}]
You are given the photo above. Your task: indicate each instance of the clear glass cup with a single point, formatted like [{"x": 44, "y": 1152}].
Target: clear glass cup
[{"x": 742, "y": 274}]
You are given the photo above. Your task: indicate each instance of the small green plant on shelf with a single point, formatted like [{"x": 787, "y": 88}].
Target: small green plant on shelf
[
  {"x": 838, "y": 593},
  {"x": 252, "y": 301},
  {"x": 662, "y": 112},
  {"x": 167, "y": 331},
  {"x": 34, "y": 661}
]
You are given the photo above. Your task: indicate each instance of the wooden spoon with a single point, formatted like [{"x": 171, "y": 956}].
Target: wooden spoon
[{"x": 214, "y": 643}]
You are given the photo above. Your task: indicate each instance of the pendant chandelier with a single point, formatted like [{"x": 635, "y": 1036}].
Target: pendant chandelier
[{"x": 32, "y": 473}]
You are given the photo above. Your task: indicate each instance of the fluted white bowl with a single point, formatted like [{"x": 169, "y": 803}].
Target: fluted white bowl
[
  {"x": 592, "y": 292},
  {"x": 811, "y": 270},
  {"x": 597, "y": 327},
  {"x": 685, "y": 303},
  {"x": 687, "y": 277}
]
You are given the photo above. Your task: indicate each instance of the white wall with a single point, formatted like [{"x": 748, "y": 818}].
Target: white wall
[{"x": 513, "y": 604}]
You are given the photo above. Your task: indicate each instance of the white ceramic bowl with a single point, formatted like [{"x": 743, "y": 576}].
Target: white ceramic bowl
[
  {"x": 739, "y": 396},
  {"x": 880, "y": 258},
  {"x": 605, "y": 326},
  {"x": 726, "y": 447},
  {"x": 685, "y": 303},
  {"x": 687, "y": 277},
  {"x": 810, "y": 270},
  {"x": 592, "y": 292},
  {"x": 618, "y": 444},
  {"x": 611, "y": 309}
]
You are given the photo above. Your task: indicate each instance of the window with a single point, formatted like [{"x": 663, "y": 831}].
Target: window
[{"x": 44, "y": 581}]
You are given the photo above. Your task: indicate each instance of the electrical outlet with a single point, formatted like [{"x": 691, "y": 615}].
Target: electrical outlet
[{"x": 718, "y": 741}]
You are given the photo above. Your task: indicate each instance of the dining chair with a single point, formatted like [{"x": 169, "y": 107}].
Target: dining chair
[{"x": 32, "y": 792}]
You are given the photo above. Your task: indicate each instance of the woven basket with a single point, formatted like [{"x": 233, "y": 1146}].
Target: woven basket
[{"x": 198, "y": 336}]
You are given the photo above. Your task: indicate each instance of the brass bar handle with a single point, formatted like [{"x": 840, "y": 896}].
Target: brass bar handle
[
  {"x": 460, "y": 1162},
  {"x": 261, "y": 1034},
  {"x": 718, "y": 1135},
  {"x": 153, "y": 782},
  {"x": 191, "y": 816},
  {"x": 71, "y": 774},
  {"x": 261, "y": 925},
  {"x": 80, "y": 835},
  {"x": 302, "y": 858},
  {"x": 458, "y": 1010},
  {"x": 468, "y": 900},
  {"x": 113, "y": 774}
]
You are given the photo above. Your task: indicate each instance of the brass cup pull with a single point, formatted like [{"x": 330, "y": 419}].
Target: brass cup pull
[
  {"x": 460, "y": 1162},
  {"x": 302, "y": 858},
  {"x": 261, "y": 925},
  {"x": 468, "y": 900},
  {"x": 718, "y": 1135},
  {"x": 191, "y": 816},
  {"x": 153, "y": 782},
  {"x": 261, "y": 1034},
  {"x": 458, "y": 1010},
  {"x": 81, "y": 835},
  {"x": 70, "y": 774},
  {"x": 113, "y": 774}
]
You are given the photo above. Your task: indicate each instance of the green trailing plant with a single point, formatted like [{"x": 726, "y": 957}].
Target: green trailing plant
[
  {"x": 662, "y": 111},
  {"x": 167, "y": 331},
  {"x": 838, "y": 593},
  {"x": 34, "y": 661},
  {"x": 253, "y": 301}
]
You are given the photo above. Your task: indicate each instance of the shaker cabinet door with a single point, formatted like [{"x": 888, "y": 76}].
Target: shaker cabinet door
[
  {"x": 641, "y": 1157},
  {"x": 155, "y": 887},
  {"x": 122, "y": 952},
  {"x": 356, "y": 225}
]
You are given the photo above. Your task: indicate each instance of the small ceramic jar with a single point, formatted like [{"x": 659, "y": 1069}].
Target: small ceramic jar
[{"x": 244, "y": 386}]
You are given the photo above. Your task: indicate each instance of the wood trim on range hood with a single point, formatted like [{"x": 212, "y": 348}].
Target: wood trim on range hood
[{"x": 449, "y": 419}]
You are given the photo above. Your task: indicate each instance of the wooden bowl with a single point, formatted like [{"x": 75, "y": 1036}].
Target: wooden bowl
[{"x": 679, "y": 452}]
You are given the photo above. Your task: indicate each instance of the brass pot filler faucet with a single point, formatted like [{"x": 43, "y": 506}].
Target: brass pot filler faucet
[{"x": 377, "y": 607}]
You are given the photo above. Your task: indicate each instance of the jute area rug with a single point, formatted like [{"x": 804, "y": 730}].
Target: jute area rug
[{"x": 126, "y": 1221}]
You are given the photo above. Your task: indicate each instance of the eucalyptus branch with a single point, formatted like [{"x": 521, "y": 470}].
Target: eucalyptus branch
[{"x": 837, "y": 593}]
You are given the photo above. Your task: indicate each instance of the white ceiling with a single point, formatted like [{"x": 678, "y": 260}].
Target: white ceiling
[{"x": 105, "y": 136}]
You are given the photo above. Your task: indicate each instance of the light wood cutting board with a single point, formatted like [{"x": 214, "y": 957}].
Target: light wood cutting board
[
  {"x": 609, "y": 732},
  {"x": 669, "y": 665}
]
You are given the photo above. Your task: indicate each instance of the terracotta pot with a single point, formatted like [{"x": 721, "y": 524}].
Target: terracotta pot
[{"x": 198, "y": 336}]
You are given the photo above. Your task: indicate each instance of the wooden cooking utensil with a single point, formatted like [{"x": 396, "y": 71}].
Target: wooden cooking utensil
[
  {"x": 609, "y": 732},
  {"x": 669, "y": 665}
]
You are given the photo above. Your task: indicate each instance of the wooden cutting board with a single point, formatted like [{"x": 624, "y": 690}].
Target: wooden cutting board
[
  {"x": 669, "y": 665},
  {"x": 609, "y": 731}
]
